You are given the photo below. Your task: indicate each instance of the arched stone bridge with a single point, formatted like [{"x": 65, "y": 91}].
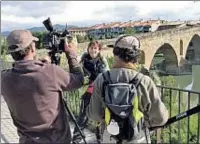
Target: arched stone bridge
[{"x": 174, "y": 44}]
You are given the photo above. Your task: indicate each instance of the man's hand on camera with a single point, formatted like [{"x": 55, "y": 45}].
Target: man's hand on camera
[
  {"x": 45, "y": 59},
  {"x": 70, "y": 44}
]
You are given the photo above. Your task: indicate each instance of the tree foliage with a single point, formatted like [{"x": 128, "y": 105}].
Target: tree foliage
[
  {"x": 82, "y": 39},
  {"x": 40, "y": 36},
  {"x": 4, "y": 47},
  {"x": 130, "y": 31}
]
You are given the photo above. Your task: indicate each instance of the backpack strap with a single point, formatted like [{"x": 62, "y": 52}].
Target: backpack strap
[
  {"x": 106, "y": 80},
  {"x": 138, "y": 116},
  {"x": 136, "y": 80},
  {"x": 106, "y": 77}
]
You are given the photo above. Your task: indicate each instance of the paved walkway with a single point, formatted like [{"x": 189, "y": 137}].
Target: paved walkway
[
  {"x": 9, "y": 133},
  {"x": 8, "y": 130}
]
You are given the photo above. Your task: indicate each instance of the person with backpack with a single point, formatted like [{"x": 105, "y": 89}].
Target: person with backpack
[
  {"x": 93, "y": 64},
  {"x": 126, "y": 100}
]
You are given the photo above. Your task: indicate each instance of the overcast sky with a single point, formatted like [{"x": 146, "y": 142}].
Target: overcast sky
[{"x": 27, "y": 14}]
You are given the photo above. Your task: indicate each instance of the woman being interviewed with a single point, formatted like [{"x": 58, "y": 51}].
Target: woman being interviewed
[{"x": 93, "y": 64}]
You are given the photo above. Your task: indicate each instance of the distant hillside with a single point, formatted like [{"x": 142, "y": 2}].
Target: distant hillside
[
  {"x": 39, "y": 29},
  {"x": 4, "y": 34}
]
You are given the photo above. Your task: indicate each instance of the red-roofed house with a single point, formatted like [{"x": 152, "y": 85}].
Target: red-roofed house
[{"x": 95, "y": 31}]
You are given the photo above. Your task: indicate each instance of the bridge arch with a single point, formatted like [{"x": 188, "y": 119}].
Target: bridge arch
[
  {"x": 169, "y": 55},
  {"x": 192, "y": 51}
]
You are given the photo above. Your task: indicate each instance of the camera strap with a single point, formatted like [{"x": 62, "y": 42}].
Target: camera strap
[{"x": 179, "y": 117}]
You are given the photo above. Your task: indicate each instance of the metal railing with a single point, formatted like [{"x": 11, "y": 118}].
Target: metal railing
[
  {"x": 177, "y": 101},
  {"x": 186, "y": 130}
]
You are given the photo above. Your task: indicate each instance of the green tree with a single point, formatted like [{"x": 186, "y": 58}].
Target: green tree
[
  {"x": 86, "y": 38},
  {"x": 40, "y": 36},
  {"x": 80, "y": 39},
  {"x": 103, "y": 37},
  {"x": 130, "y": 31},
  {"x": 4, "y": 47}
]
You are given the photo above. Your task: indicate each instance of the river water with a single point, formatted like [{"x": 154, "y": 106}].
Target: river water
[{"x": 189, "y": 81}]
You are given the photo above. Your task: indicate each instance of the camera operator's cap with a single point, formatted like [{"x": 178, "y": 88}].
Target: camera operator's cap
[
  {"x": 127, "y": 41},
  {"x": 19, "y": 39}
]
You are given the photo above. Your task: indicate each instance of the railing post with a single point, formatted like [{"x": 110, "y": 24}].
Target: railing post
[
  {"x": 158, "y": 136},
  {"x": 170, "y": 113},
  {"x": 198, "y": 130},
  {"x": 188, "y": 123},
  {"x": 179, "y": 111}
]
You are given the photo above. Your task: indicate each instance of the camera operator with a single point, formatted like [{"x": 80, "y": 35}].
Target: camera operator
[{"x": 33, "y": 90}]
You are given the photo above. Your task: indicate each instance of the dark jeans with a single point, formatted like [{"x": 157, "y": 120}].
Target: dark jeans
[{"x": 82, "y": 118}]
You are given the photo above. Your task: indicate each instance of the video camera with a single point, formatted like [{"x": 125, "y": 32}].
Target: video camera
[{"x": 54, "y": 41}]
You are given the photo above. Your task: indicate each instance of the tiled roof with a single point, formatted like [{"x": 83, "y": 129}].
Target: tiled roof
[
  {"x": 112, "y": 24},
  {"x": 97, "y": 26},
  {"x": 106, "y": 25},
  {"x": 124, "y": 24},
  {"x": 137, "y": 23},
  {"x": 116, "y": 24},
  {"x": 132, "y": 23}
]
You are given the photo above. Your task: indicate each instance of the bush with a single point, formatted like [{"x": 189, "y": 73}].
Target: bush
[
  {"x": 4, "y": 47},
  {"x": 82, "y": 39},
  {"x": 40, "y": 36},
  {"x": 130, "y": 31}
]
